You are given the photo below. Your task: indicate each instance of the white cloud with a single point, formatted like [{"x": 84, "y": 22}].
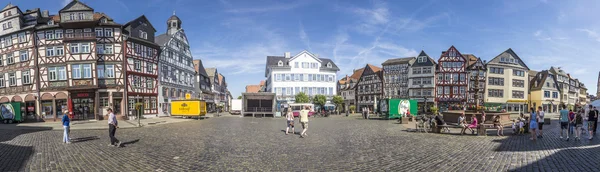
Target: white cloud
[
  {"x": 591, "y": 34},
  {"x": 537, "y": 33},
  {"x": 304, "y": 37},
  {"x": 263, "y": 9}
]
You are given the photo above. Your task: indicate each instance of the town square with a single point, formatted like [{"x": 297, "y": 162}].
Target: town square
[{"x": 299, "y": 85}]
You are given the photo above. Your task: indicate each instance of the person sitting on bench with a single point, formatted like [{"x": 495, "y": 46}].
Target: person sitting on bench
[
  {"x": 474, "y": 124},
  {"x": 462, "y": 122}
]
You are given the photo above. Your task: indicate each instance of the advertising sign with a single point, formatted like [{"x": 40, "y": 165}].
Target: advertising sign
[
  {"x": 188, "y": 108},
  {"x": 402, "y": 107},
  {"x": 11, "y": 111}
]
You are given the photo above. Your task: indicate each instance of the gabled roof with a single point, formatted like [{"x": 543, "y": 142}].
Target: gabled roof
[
  {"x": 324, "y": 62},
  {"x": 272, "y": 61},
  {"x": 221, "y": 78},
  {"x": 211, "y": 72},
  {"x": 513, "y": 54},
  {"x": 533, "y": 72},
  {"x": 357, "y": 73},
  {"x": 307, "y": 52},
  {"x": 344, "y": 80},
  {"x": 76, "y": 5},
  {"x": 428, "y": 62},
  {"x": 199, "y": 67},
  {"x": 478, "y": 61},
  {"x": 558, "y": 71},
  {"x": 252, "y": 88},
  {"x": 471, "y": 59},
  {"x": 9, "y": 6},
  {"x": 403, "y": 60},
  {"x": 375, "y": 69},
  {"x": 537, "y": 83},
  {"x": 143, "y": 17},
  {"x": 161, "y": 39}
]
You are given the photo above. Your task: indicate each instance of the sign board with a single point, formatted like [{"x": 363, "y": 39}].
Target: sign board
[
  {"x": 11, "y": 111},
  {"x": 188, "y": 108},
  {"x": 188, "y": 96},
  {"x": 401, "y": 107}
]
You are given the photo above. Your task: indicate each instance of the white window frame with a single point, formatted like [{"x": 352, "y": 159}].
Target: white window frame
[
  {"x": 85, "y": 47},
  {"x": 149, "y": 68},
  {"x": 99, "y": 32},
  {"x": 108, "y": 49},
  {"x": 12, "y": 80},
  {"x": 58, "y": 34},
  {"x": 100, "y": 71},
  {"x": 74, "y": 47},
  {"x": 137, "y": 65},
  {"x": 2, "y": 82},
  {"x": 100, "y": 49},
  {"x": 50, "y": 34},
  {"x": 10, "y": 59},
  {"x": 23, "y": 55},
  {"x": 25, "y": 77},
  {"x": 50, "y": 51},
  {"x": 87, "y": 70},
  {"x": 108, "y": 32},
  {"x": 59, "y": 51},
  {"x": 22, "y": 37}
]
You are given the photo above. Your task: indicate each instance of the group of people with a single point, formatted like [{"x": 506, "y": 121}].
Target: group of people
[
  {"x": 289, "y": 116},
  {"x": 462, "y": 122},
  {"x": 112, "y": 128},
  {"x": 570, "y": 122},
  {"x": 365, "y": 112}
]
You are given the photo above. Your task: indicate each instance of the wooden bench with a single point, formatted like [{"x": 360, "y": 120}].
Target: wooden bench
[{"x": 482, "y": 128}]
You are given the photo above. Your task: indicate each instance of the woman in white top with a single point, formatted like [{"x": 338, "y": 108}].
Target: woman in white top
[{"x": 289, "y": 116}]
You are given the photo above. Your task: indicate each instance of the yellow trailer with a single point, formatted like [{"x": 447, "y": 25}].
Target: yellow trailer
[{"x": 188, "y": 108}]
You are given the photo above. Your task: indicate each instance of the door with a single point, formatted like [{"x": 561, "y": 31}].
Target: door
[{"x": 117, "y": 105}]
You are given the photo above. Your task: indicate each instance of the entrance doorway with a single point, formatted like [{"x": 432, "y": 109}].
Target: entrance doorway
[
  {"x": 117, "y": 106},
  {"x": 83, "y": 108}
]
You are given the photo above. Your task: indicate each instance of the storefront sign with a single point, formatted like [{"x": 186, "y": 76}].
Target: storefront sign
[
  {"x": 82, "y": 95},
  {"x": 115, "y": 94}
]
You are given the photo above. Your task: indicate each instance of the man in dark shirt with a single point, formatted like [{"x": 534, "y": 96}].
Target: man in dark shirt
[{"x": 592, "y": 120}]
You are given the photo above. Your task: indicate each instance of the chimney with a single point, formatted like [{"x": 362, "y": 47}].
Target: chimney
[
  {"x": 287, "y": 54},
  {"x": 45, "y": 13}
]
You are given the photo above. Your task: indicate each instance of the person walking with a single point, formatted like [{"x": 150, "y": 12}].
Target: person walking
[
  {"x": 304, "y": 121},
  {"x": 592, "y": 120},
  {"x": 541, "y": 115},
  {"x": 571, "y": 122},
  {"x": 564, "y": 121},
  {"x": 533, "y": 122},
  {"x": 578, "y": 124},
  {"x": 66, "y": 121},
  {"x": 113, "y": 124},
  {"x": 290, "y": 121},
  {"x": 595, "y": 121}
]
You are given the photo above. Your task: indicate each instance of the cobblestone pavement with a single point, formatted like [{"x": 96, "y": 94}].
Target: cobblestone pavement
[{"x": 259, "y": 144}]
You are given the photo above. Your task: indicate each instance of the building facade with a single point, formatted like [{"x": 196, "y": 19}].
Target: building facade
[
  {"x": 563, "y": 84},
  {"x": 421, "y": 81},
  {"x": 215, "y": 87},
  {"x": 202, "y": 84},
  {"x": 583, "y": 95},
  {"x": 369, "y": 88},
  {"x": 348, "y": 89},
  {"x": 176, "y": 65},
  {"x": 451, "y": 83},
  {"x": 304, "y": 72},
  {"x": 545, "y": 92},
  {"x": 395, "y": 77},
  {"x": 141, "y": 61},
  {"x": 18, "y": 53},
  {"x": 477, "y": 77},
  {"x": 507, "y": 83}
]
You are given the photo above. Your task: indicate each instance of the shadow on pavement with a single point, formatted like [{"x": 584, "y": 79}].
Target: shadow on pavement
[
  {"x": 84, "y": 139},
  {"x": 129, "y": 142},
  {"x": 14, "y": 157},
  {"x": 580, "y": 153}
]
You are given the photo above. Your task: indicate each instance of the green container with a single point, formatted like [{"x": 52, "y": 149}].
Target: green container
[
  {"x": 395, "y": 108},
  {"x": 11, "y": 112}
]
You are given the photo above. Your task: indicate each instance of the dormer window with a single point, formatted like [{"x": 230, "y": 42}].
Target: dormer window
[
  {"x": 103, "y": 20},
  {"x": 72, "y": 16},
  {"x": 329, "y": 65},
  {"x": 143, "y": 34},
  {"x": 51, "y": 22},
  {"x": 280, "y": 63}
]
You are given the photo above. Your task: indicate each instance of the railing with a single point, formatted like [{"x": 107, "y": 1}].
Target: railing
[
  {"x": 259, "y": 109},
  {"x": 80, "y": 36}
]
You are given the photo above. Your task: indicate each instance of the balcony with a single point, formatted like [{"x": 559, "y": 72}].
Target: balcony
[{"x": 80, "y": 36}]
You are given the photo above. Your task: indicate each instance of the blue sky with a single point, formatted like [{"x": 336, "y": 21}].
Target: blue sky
[{"x": 236, "y": 36}]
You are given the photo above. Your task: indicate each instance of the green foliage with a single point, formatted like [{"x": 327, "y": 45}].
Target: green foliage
[
  {"x": 320, "y": 100},
  {"x": 239, "y": 97},
  {"x": 352, "y": 108},
  {"x": 338, "y": 100},
  {"x": 302, "y": 98},
  {"x": 434, "y": 110}
]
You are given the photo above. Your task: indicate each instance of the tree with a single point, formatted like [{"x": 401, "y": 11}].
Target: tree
[
  {"x": 338, "y": 100},
  {"x": 352, "y": 108},
  {"x": 302, "y": 98},
  {"x": 320, "y": 101},
  {"x": 239, "y": 97}
]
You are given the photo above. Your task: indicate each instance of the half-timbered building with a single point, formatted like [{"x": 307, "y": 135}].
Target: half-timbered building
[
  {"x": 141, "y": 61},
  {"x": 176, "y": 65},
  {"x": 80, "y": 61},
  {"x": 370, "y": 87},
  {"x": 395, "y": 77},
  {"x": 17, "y": 58},
  {"x": 476, "y": 72},
  {"x": 451, "y": 83}
]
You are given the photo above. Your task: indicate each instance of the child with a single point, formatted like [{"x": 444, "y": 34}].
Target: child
[
  {"x": 514, "y": 126},
  {"x": 521, "y": 127}
]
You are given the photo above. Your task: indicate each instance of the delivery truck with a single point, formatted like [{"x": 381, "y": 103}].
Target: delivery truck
[
  {"x": 188, "y": 108},
  {"x": 236, "y": 107}
]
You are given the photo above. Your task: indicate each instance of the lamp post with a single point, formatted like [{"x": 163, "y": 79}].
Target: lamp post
[{"x": 424, "y": 98}]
